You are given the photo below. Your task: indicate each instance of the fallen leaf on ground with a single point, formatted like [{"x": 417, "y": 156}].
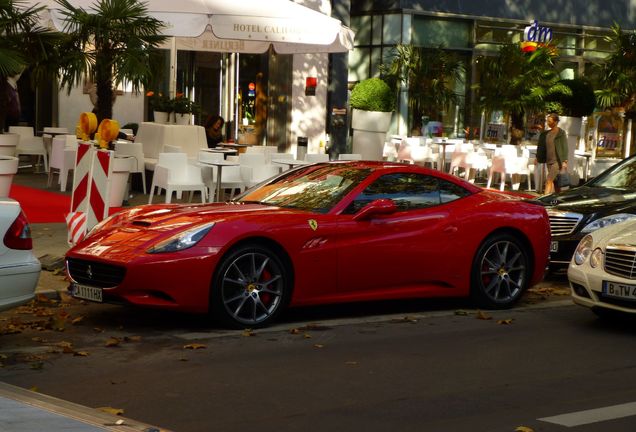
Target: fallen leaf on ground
[
  {"x": 34, "y": 389},
  {"x": 294, "y": 331},
  {"x": 194, "y": 346},
  {"x": 81, "y": 354},
  {"x": 505, "y": 321},
  {"x": 77, "y": 320},
  {"x": 307, "y": 336},
  {"x": 113, "y": 342},
  {"x": 482, "y": 315},
  {"x": 319, "y": 346},
  {"x": 461, "y": 312},
  {"x": 113, "y": 411},
  {"x": 524, "y": 429},
  {"x": 351, "y": 363},
  {"x": 132, "y": 338},
  {"x": 98, "y": 330},
  {"x": 248, "y": 332}
]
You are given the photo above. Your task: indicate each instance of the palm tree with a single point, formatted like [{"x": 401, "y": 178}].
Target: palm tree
[
  {"x": 24, "y": 45},
  {"x": 431, "y": 75},
  {"x": 517, "y": 82},
  {"x": 115, "y": 41},
  {"x": 616, "y": 75}
]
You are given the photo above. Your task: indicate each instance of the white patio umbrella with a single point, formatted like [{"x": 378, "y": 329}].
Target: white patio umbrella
[{"x": 248, "y": 26}]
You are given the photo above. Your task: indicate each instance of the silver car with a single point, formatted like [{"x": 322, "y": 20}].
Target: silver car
[{"x": 19, "y": 268}]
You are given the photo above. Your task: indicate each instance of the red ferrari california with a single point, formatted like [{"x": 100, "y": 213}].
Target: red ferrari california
[{"x": 321, "y": 233}]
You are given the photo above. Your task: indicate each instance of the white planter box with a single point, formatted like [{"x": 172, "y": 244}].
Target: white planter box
[
  {"x": 8, "y": 168},
  {"x": 369, "y": 133},
  {"x": 8, "y": 144}
]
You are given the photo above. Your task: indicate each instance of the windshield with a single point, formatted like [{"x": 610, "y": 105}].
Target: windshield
[
  {"x": 315, "y": 188},
  {"x": 620, "y": 176}
]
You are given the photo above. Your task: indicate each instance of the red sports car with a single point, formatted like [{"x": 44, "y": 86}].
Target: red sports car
[{"x": 321, "y": 233}]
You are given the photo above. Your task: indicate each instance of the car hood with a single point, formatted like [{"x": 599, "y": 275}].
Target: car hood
[
  {"x": 590, "y": 199},
  {"x": 623, "y": 233},
  {"x": 136, "y": 229}
]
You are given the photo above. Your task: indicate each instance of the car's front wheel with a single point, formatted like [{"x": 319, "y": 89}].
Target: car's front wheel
[
  {"x": 251, "y": 287},
  {"x": 500, "y": 272}
]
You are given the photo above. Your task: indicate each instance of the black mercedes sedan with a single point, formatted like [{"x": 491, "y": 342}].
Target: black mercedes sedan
[{"x": 605, "y": 200}]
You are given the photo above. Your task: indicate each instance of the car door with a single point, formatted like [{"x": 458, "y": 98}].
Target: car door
[{"x": 404, "y": 252}]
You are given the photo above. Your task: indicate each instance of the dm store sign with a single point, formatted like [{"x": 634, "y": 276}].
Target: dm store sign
[{"x": 535, "y": 35}]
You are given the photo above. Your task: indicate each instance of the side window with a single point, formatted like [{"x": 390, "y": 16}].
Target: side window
[
  {"x": 450, "y": 191},
  {"x": 407, "y": 190}
]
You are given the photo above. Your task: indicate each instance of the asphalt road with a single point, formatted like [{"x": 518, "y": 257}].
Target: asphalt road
[{"x": 419, "y": 365}]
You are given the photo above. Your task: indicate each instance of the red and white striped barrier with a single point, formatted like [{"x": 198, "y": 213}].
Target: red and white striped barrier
[{"x": 89, "y": 201}]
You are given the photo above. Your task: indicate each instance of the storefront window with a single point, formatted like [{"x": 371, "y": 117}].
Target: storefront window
[
  {"x": 361, "y": 25},
  {"x": 435, "y": 32},
  {"x": 595, "y": 45},
  {"x": 490, "y": 37},
  {"x": 392, "y": 33}
]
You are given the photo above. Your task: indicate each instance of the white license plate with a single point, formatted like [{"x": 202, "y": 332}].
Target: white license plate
[
  {"x": 618, "y": 290},
  {"x": 554, "y": 246},
  {"x": 87, "y": 292}
]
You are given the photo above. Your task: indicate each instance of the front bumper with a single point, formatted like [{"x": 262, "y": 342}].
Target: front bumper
[{"x": 586, "y": 284}]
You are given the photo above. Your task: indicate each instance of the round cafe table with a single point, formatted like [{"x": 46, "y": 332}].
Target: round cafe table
[
  {"x": 290, "y": 162},
  {"x": 219, "y": 166}
]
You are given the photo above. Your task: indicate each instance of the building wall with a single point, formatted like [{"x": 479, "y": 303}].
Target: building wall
[
  {"x": 595, "y": 13},
  {"x": 128, "y": 108}
]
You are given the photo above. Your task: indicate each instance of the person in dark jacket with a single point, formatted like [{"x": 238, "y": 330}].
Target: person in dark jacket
[
  {"x": 214, "y": 130},
  {"x": 552, "y": 149}
]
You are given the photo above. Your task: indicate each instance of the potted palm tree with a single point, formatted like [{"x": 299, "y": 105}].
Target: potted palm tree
[
  {"x": 183, "y": 109},
  {"x": 373, "y": 102}
]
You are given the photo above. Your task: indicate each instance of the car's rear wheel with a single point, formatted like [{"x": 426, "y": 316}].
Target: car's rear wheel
[
  {"x": 251, "y": 287},
  {"x": 500, "y": 272}
]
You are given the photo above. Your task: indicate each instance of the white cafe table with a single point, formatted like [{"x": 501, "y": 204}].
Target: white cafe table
[
  {"x": 122, "y": 166},
  {"x": 587, "y": 156},
  {"x": 238, "y": 147},
  {"x": 219, "y": 166},
  {"x": 224, "y": 151},
  {"x": 290, "y": 162}
]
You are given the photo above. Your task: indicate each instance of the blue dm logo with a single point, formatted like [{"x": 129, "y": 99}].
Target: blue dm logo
[{"x": 535, "y": 35}]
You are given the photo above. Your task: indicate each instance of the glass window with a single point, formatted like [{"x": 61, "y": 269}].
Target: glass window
[
  {"x": 409, "y": 191},
  {"x": 392, "y": 33},
  {"x": 361, "y": 25},
  {"x": 490, "y": 36},
  {"x": 376, "y": 38},
  {"x": 376, "y": 61},
  {"x": 358, "y": 64},
  {"x": 595, "y": 46},
  {"x": 433, "y": 32}
]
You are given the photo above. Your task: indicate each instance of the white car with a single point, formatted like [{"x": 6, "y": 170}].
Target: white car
[
  {"x": 19, "y": 268},
  {"x": 602, "y": 272}
]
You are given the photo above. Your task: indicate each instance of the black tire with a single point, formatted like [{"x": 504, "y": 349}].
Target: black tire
[
  {"x": 500, "y": 272},
  {"x": 251, "y": 287}
]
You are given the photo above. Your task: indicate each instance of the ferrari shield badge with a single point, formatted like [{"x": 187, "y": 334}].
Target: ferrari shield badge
[{"x": 313, "y": 224}]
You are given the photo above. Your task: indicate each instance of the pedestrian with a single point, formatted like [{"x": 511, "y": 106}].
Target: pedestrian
[
  {"x": 214, "y": 130},
  {"x": 552, "y": 149}
]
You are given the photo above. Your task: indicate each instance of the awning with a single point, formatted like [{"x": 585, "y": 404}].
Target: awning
[{"x": 248, "y": 26}]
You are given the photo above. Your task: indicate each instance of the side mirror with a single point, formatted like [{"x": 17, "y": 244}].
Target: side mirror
[{"x": 375, "y": 208}]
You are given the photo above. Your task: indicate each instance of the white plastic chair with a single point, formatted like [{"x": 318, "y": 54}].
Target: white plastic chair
[
  {"x": 63, "y": 153},
  {"x": 136, "y": 150},
  {"x": 349, "y": 156},
  {"x": 30, "y": 144},
  {"x": 174, "y": 174},
  {"x": 460, "y": 158},
  {"x": 254, "y": 168},
  {"x": 316, "y": 157},
  {"x": 507, "y": 161}
]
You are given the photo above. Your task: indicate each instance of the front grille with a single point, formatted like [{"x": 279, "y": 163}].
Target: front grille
[
  {"x": 620, "y": 260},
  {"x": 94, "y": 273},
  {"x": 563, "y": 223}
]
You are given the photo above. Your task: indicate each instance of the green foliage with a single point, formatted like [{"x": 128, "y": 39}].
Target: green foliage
[
  {"x": 159, "y": 101},
  {"x": 578, "y": 101},
  {"x": 372, "y": 94},
  {"x": 616, "y": 75},
  {"x": 183, "y": 105},
  {"x": 113, "y": 41},
  {"x": 431, "y": 75},
  {"x": 518, "y": 83}
]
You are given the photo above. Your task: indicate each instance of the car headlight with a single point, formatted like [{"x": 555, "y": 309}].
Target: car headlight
[
  {"x": 583, "y": 250},
  {"x": 596, "y": 260},
  {"x": 607, "y": 221},
  {"x": 183, "y": 240}
]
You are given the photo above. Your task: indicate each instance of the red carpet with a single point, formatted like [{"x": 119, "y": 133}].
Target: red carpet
[{"x": 41, "y": 206}]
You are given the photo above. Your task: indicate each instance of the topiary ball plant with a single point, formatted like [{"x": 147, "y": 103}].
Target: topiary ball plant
[
  {"x": 372, "y": 94},
  {"x": 580, "y": 103}
]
